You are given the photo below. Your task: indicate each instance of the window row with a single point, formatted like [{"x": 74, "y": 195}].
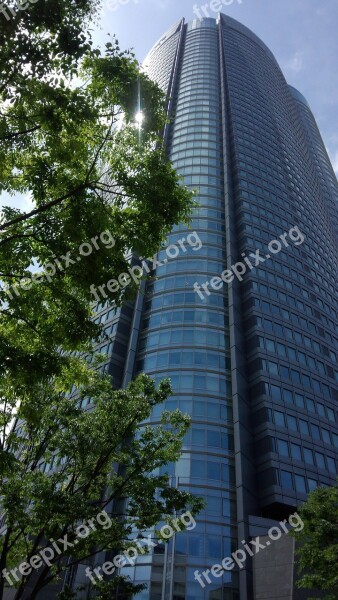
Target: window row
[
  {"x": 197, "y": 224},
  {"x": 293, "y": 356},
  {"x": 303, "y": 215},
  {"x": 209, "y": 239},
  {"x": 190, "y": 264},
  {"x": 296, "y": 289},
  {"x": 172, "y": 282},
  {"x": 287, "y": 396},
  {"x": 186, "y": 144},
  {"x": 323, "y": 250},
  {"x": 310, "y": 457},
  {"x": 297, "y": 377},
  {"x": 276, "y": 309},
  {"x": 299, "y": 483},
  {"x": 182, "y": 336},
  {"x": 203, "y": 252},
  {"x": 184, "y": 358},
  {"x": 308, "y": 266},
  {"x": 209, "y": 547},
  {"x": 205, "y": 469},
  {"x": 196, "y": 382},
  {"x": 195, "y": 153},
  {"x": 257, "y": 244},
  {"x": 184, "y": 298},
  {"x": 292, "y": 335},
  {"x": 109, "y": 331},
  {"x": 184, "y": 316},
  {"x": 209, "y": 438},
  {"x": 200, "y": 407},
  {"x": 294, "y": 424},
  {"x": 194, "y": 180}
]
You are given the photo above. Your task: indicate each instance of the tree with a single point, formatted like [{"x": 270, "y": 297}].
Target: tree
[
  {"x": 79, "y": 448},
  {"x": 61, "y": 142},
  {"x": 92, "y": 182},
  {"x": 318, "y": 542}
]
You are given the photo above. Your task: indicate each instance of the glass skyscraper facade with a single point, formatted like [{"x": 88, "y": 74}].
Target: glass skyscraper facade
[
  {"x": 183, "y": 336},
  {"x": 254, "y": 362}
]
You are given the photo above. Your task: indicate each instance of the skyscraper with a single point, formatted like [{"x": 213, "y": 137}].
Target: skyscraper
[{"x": 245, "y": 327}]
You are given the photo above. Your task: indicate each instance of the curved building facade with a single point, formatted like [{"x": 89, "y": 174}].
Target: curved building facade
[
  {"x": 184, "y": 336},
  {"x": 252, "y": 355}
]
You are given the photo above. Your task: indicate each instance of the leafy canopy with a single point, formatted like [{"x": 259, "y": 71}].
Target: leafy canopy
[
  {"x": 61, "y": 458},
  {"x": 318, "y": 542},
  {"x": 62, "y": 103},
  {"x": 61, "y": 144}
]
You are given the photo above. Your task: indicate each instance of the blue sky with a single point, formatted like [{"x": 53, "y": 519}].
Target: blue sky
[{"x": 302, "y": 34}]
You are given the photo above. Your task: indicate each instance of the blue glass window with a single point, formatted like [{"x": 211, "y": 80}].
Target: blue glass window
[
  {"x": 304, "y": 427},
  {"x": 312, "y": 483},
  {"x": 284, "y": 372},
  {"x": 295, "y": 376},
  {"x": 320, "y": 460},
  {"x": 276, "y": 393},
  {"x": 315, "y": 431},
  {"x": 299, "y": 400},
  {"x": 213, "y": 439},
  {"x": 308, "y": 456},
  {"x": 300, "y": 484},
  {"x": 279, "y": 418},
  {"x": 213, "y": 546},
  {"x": 296, "y": 452},
  {"x": 292, "y": 423},
  {"x": 197, "y": 468},
  {"x": 195, "y": 545},
  {"x": 198, "y": 437},
  {"x": 287, "y": 394},
  {"x": 310, "y": 405},
  {"x": 331, "y": 464},
  {"x": 283, "y": 447},
  {"x": 213, "y": 470},
  {"x": 286, "y": 480}
]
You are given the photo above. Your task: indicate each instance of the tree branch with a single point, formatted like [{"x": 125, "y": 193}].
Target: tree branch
[
  {"x": 45, "y": 207},
  {"x": 14, "y": 135}
]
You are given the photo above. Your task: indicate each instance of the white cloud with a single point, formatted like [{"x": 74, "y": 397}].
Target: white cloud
[{"x": 295, "y": 63}]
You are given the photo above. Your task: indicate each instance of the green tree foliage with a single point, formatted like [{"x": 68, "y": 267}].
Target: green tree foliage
[
  {"x": 318, "y": 542},
  {"x": 61, "y": 143},
  {"x": 62, "y": 103},
  {"x": 83, "y": 446}
]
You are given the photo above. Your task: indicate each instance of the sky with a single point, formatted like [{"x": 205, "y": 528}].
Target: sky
[{"x": 302, "y": 34}]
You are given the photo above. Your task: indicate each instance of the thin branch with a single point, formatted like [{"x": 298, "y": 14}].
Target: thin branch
[
  {"x": 45, "y": 207},
  {"x": 18, "y": 133},
  {"x": 17, "y": 236},
  {"x": 49, "y": 205},
  {"x": 20, "y": 318},
  {"x": 98, "y": 151}
]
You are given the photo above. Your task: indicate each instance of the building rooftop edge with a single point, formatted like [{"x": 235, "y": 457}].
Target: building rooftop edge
[
  {"x": 298, "y": 96},
  {"x": 193, "y": 23}
]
